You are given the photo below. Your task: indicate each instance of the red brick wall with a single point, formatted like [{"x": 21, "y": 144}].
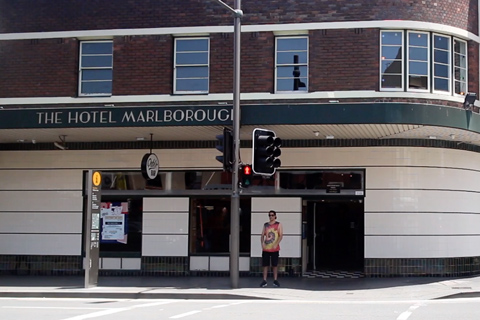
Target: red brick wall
[
  {"x": 38, "y": 68},
  {"x": 346, "y": 59},
  {"x": 58, "y": 15},
  {"x": 142, "y": 65}
]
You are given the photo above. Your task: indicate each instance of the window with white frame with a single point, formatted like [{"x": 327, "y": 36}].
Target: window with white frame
[
  {"x": 442, "y": 72},
  {"x": 460, "y": 67},
  {"x": 96, "y": 68},
  {"x": 433, "y": 62},
  {"x": 291, "y": 64},
  {"x": 418, "y": 61},
  {"x": 191, "y": 66},
  {"x": 391, "y": 64}
]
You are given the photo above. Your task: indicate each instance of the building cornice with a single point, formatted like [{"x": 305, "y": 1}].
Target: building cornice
[{"x": 382, "y": 24}]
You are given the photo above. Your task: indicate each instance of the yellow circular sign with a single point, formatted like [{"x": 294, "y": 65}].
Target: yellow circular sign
[{"x": 97, "y": 178}]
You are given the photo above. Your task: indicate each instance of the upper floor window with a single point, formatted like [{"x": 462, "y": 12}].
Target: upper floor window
[
  {"x": 418, "y": 61},
  {"x": 96, "y": 68},
  {"x": 460, "y": 67},
  {"x": 422, "y": 62},
  {"x": 391, "y": 64},
  {"x": 191, "y": 65},
  {"x": 291, "y": 64}
]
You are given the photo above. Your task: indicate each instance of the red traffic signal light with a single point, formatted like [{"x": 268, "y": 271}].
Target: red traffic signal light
[{"x": 247, "y": 175}]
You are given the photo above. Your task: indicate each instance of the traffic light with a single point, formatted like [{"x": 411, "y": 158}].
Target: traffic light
[
  {"x": 247, "y": 175},
  {"x": 265, "y": 152},
  {"x": 225, "y": 146}
]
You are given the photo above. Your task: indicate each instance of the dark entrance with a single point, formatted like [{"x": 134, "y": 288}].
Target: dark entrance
[{"x": 335, "y": 234}]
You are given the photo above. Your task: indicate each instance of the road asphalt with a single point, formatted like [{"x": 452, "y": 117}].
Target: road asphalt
[{"x": 363, "y": 289}]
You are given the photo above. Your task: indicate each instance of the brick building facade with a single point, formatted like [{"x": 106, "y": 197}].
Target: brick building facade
[{"x": 378, "y": 95}]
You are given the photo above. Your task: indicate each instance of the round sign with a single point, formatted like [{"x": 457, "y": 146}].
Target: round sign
[
  {"x": 150, "y": 166},
  {"x": 96, "y": 178}
]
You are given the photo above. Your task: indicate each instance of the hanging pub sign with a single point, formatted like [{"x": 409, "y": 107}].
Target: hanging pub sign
[{"x": 150, "y": 166}]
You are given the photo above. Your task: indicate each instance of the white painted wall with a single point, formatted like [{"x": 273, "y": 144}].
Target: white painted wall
[
  {"x": 165, "y": 227},
  {"x": 420, "y": 202}
]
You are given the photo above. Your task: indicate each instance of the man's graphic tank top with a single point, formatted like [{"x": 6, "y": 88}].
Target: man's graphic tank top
[{"x": 271, "y": 237}]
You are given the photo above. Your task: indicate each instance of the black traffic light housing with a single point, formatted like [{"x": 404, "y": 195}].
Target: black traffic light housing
[
  {"x": 246, "y": 175},
  {"x": 225, "y": 146},
  {"x": 265, "y": 152}
]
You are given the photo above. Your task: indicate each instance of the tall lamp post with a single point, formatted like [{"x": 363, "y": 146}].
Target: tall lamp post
[{"x": 235, "y": 200}]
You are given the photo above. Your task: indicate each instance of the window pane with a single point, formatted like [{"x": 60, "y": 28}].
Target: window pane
[
  {"x": 418, "y": 39},
  {"x": 460, "y": 47},
  {"x": 291, "y": 57},
  {"x": 392, "y": 38},
  {"x": 460, "y": 74},
  {"x": 441, "y": 70},
  {"x": 96, "y": 61},
  {"x": 192, "y": 85},
  {"x": 97, "y": 48},
  {"x": 288, "y": 72},
  {"x": 460, "y": 61},
  {"x": 97, "y": 87},
  {"x": 97, "y": 74},
  {"x": 440, "y": 84},
  {"x": 441, "y": 56},
  {"x": 416, "y": 82},
  {"x": 460, "y": 87},
  {"x": 192, "y": 45},
  {"x": 192, "y": 72},
  {"x": 420, "y": 54},
  {"x": 391, "y": 81},
  {"x": 420, "y": 68},
  {"x": 441, "y": 42},
  {"x": 192, "y": 58},
  {"x": 389, "y": 66},
  {"x": 391, "y": 52},
  {"x": 287, "y": 44},
  {"x": 292, "y": 84}
]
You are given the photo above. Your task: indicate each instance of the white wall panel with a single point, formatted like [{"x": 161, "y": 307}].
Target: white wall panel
[
  {"x": 41, "y": 179},
  {"x": 421, "y": 246},
  {"x": 244, "y": 264},
  {"x": 219, "y": 263},
  {"x": 290, "y": 247},
  {"x": 165, "y": 245},
  {"x": 199, "y": 263},
  {"x": 422, "y": 178},
  {"x": 111, "y": 263},
  {"x": 160, "y": 222},
  {"x": 131, "y": 263},
  {"x": 41, "y": 201},
  {"x": 421, "y": 201},
  {"x": 413, "y": 223},
  {"x": 165, "y": 205},
  {"x": 41, "y": 222},
  {"x": 41, "y": 244}
]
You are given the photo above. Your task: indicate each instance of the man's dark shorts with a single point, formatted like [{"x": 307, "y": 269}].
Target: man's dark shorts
[{"x": 267, "y": 256}]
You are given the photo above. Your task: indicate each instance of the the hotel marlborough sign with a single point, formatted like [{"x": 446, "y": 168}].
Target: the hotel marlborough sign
[{"x": 115, "y": 117}]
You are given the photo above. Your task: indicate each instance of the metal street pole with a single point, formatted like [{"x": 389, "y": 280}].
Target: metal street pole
[{"x": 235, "y": 200}]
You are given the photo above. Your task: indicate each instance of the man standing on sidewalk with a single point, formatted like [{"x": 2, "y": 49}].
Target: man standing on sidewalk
[{"x": 272, "y": 234}]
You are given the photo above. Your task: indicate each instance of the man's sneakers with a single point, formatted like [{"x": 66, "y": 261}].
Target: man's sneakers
[{"x": 275, "y": 284}]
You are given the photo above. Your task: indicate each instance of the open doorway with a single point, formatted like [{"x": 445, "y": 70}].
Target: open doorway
[{"x": 335, "y": 234}]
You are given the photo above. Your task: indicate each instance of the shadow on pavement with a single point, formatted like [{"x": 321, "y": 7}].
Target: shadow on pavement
[{"x": 214, "y": 283}]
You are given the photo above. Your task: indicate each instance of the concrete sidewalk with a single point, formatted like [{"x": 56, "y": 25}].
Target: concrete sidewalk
[{"x": 364, "y": 289}]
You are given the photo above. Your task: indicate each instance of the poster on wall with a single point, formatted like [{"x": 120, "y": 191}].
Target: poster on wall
[{"x": 114, "y": 222}]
